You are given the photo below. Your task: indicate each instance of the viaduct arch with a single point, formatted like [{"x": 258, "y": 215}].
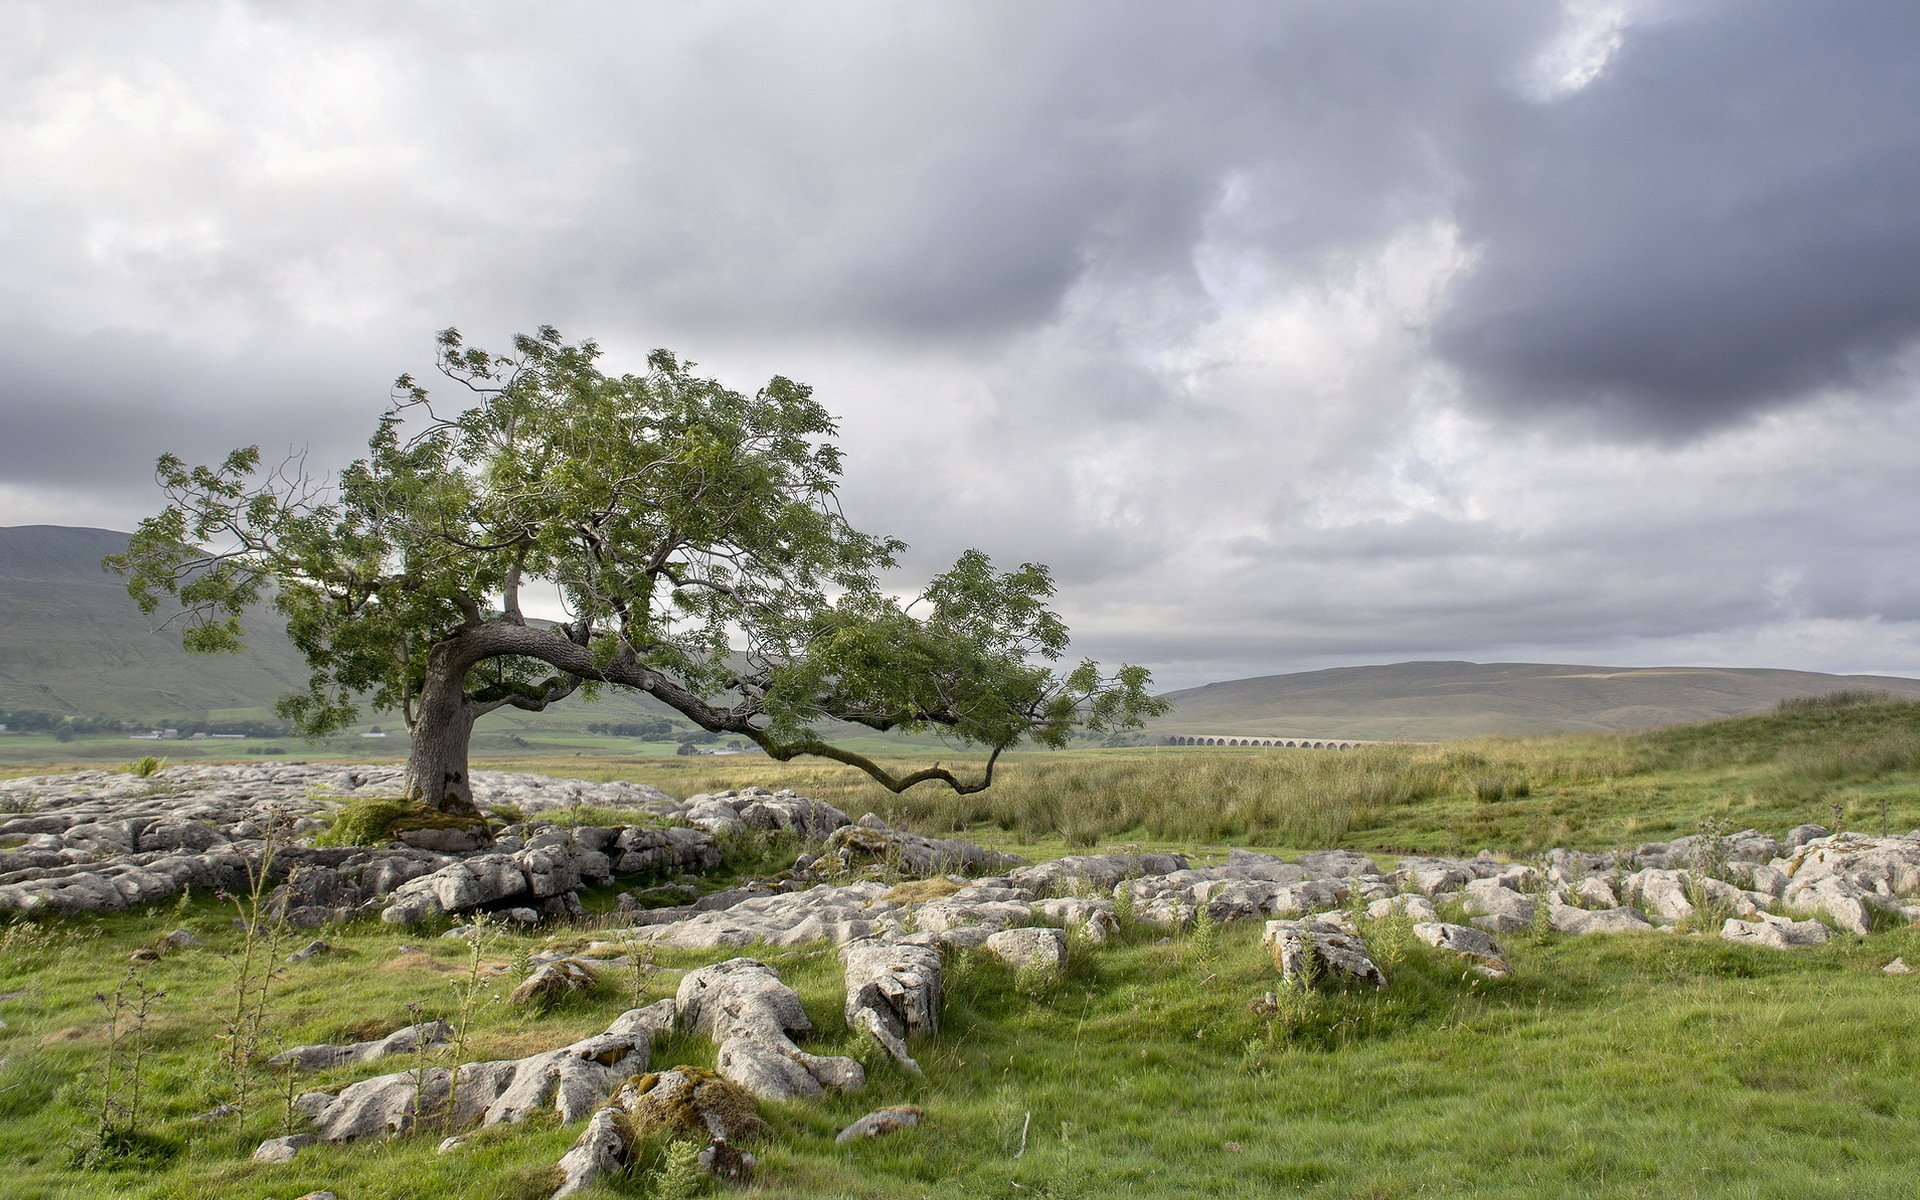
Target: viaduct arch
[{"x": 1292, "y": 743}]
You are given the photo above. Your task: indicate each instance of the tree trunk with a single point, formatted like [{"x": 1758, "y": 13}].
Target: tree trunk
[{"x": 442, "y": 728}]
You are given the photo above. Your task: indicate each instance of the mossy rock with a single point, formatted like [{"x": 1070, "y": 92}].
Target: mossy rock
[
  {"x": 375, "y": 820},
  {"x": 691, "y": 1101}
]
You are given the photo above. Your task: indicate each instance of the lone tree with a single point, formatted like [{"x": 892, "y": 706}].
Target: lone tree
[{"x": 692, "y": 533}]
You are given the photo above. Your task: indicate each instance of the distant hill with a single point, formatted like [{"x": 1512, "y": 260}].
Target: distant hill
[
  {"x": 1434, "y": 701},
  {"x": 73, "y": 642}
]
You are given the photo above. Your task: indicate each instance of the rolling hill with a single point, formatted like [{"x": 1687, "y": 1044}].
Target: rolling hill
[
  {"x": 1432, "y": 701},
  {"x": 71, "y": 642}
]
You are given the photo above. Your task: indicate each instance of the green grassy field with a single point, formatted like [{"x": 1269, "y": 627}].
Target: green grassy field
[{"x": 1641, "y": 1065}]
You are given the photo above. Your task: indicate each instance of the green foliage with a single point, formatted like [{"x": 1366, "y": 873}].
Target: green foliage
[
  {"x": 145, "y": 768},
  {"x": 679, "y": 1175},
  {"x": 674, "y": 515}
]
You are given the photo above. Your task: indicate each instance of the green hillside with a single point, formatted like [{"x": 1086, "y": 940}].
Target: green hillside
[
  {"x": 72, "y": 642},
  {"x": 1430, "y": 701}
]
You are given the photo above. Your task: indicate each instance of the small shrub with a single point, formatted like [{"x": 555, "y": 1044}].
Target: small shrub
[
  {"x": 679, "y": 1175},
  {"x": 146, "y": 768},
  {"x": 1037, "y": 980}
]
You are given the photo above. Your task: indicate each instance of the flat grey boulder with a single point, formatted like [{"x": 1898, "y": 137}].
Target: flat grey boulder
[
  {"x": 1414, "y": 908},
  {"x": 1579, "y": 921},
  {"x": 569, "y": 1081},
  {"x": 283, "y": 1149},
  {"x": 881, "y": 1122},
  {"x": 1481, "y": 951},
  {"x": 1336, "y": 864},
  {"x": 762, "y": 808},
  {"x": 871, "y": 841},
  {"x": 407, "y": 1040},
  {"x": 1043, "y": 948},
  {"x": 1780, "y": 933},
  {"x": 1889, "y": 866},
  {"x": 1091, "y": 874},
  {"x": 1842, "y": 901},
  {"x": 835, "y": 914}
]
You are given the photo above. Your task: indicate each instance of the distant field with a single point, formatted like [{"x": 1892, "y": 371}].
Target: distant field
[{"x": 1516, "y": 794}]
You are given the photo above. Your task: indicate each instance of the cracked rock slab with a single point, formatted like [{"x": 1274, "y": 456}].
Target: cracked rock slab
[
  {"x": 893, "y": 993},
  {"x": 742, "y": 1005},
  {"x": 1485, "y": 955},
  {"x": 1308, "y": 950}
]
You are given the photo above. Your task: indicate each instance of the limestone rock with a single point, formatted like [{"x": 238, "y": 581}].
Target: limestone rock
[
  {"x": 1309, "y": 950},
  {"x": 1839, "y": 898},
  {"x": 1800, "y": 835},
  {"x": 838, "y": 914},
  {"x": 1415, "y": 908},
  {"x": 1487, "y": 957},
  {"x": 1889, "y": 866},
  {"x": 401, "y": 1041},
  {"x": 1101, "y": 928},
  {"x": 552, "y": 981},
  {"x": 1043, "y": 948},
  {"x": 881, "y": 1122},
  {"x": 742, "y": 1005},
  {"x": 1095, "y": 874},
  {"x": 570, "y": 1081},
  {"x": 893, "y": 993},
  {"x": 283, "y": 1149},
  {"x": 1336, "y": 864},
  {"x": 910, "y": 854},
  {"x": 1566, "y": 919},
  {"x": 688, "y": 1100},
  {"x": 1780, "y": 933},
  {"x": 602, "y": 1149},
  {"x": 1897, "y": 967}
]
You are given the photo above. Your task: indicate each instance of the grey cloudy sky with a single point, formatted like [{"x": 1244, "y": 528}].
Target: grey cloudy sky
[{"x": 1292, "y": 334}]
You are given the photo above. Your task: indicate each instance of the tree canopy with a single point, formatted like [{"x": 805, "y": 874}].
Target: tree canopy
[{"x": 691, "y": 532}]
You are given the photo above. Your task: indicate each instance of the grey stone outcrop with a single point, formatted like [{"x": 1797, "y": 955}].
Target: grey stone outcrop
[
  {"x": 682, "y": 1101},
  {"x": 1043, "y": 948},
  {"x": 762, "y": 808},
  {"x": 1093, "y": 874},
  {"x": 1564, "y": 918},
  {"x": 1484, "y": 955},
  {"x": 871, "y": 841},
  {"x": 570, "y": 1081},
  {"x": 742, "y": 1005},
  {"x": 99, "y": 841},
  {"x": 407, "y": 1040},
  {"x": 1309, "y": 951},
  {"x": 1780, "y": 933},
  {"x": 880, "y": 1122},
  {"x": 893, "y": 993}
]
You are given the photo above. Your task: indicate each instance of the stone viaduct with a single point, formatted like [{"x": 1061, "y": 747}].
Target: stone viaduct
[{"x": 1292, "y": 743}]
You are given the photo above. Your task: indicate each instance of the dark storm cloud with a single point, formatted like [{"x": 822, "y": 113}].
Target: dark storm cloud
[
  {"x": 1148, "y": 292},
  {"x": 1726, "y": 220}
]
